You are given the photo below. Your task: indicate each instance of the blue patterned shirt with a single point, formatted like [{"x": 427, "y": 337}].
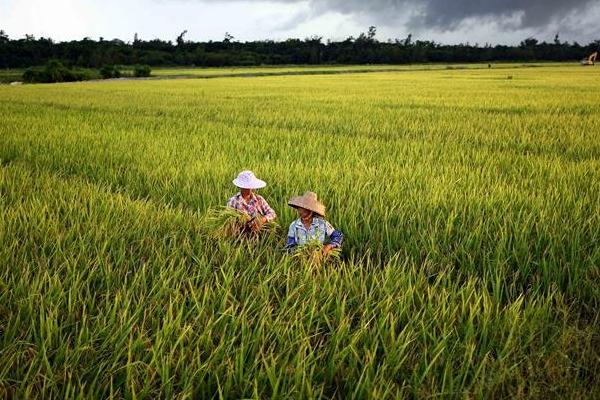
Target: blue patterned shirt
[{"x": 320, "y": 230}]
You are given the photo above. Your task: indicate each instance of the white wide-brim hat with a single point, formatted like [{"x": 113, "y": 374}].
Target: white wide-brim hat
[
  {"x": 247, "y": 180},
  {"x": 308, "y": 201}
]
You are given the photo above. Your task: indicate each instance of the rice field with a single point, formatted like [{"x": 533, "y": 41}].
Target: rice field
[
  {"x": 11, "y": 75},
  {"x": 209, "y": 72},
  {"x": 469, "y": 201}
]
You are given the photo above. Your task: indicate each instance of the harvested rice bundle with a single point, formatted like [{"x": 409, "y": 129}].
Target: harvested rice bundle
[
  {"x": 311, "y": 253},
  {"x": 225, "y": 223},
  {"x": 228, "y": 223}
]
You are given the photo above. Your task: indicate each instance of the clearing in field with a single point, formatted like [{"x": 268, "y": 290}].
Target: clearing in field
[{"x": 468, "y": 198}]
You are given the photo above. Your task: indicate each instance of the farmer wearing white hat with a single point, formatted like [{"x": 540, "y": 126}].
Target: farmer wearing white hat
[
  {"x": 248, "y": 202},
  {"x": 311, "y": 224}
]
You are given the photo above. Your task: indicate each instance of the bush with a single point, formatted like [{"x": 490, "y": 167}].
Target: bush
[
  {"x": 33, "y": 75},
  {"x": 54, "y": 71},
  {"x": 110, "y": 71},
  {"x": 141, "y": 71},
  {"x": 84, "y": 74}
]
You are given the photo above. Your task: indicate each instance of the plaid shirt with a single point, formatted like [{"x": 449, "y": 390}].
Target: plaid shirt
[
  {"x": 319, "y": 229},
  {"x": 256, "y": 206}
]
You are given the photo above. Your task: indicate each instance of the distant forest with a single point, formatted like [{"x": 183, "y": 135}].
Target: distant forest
[{"x": 364, "y": 49}]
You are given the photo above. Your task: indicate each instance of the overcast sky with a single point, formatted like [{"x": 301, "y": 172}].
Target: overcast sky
[{"x": 446, "y": 21}]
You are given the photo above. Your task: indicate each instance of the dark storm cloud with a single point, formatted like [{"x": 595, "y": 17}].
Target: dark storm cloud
[
  {"x": 532, "y": 13},
  {"x": 448, "y": 14}
]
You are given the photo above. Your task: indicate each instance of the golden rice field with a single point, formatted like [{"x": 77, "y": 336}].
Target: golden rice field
[
  {"x": 210, "y": 72},
  {"x": 469, "y": 200}
]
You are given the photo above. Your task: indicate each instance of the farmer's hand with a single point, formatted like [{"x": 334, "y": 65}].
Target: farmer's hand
[
  {"x": 327, "y": 249},
  {"x": 255, "y": 225}
]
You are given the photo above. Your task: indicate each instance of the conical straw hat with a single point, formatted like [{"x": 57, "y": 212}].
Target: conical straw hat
[{"x": 308, "y": 201}]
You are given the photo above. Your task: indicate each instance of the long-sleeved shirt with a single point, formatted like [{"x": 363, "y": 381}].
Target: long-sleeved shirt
[
  {"x": 256, "y": 206},
  {"x": 320, "y": 229}
]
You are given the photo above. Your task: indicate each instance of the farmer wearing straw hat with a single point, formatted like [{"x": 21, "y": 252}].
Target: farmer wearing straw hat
[
  {"x": 311, "y": 224},
  {"x": 248, "y": 202}
]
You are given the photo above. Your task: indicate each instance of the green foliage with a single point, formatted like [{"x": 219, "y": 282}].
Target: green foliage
[
  {"x": 364, "y": 49},
  {"x": 110, "y": 71},
  {"x": 469, "y": 205},
  {"x": 32, "y": 75},
  {"x": 53, "y": 72},
  {"x": 11, "y": 75},
  {"x": 141, "y": 71}
]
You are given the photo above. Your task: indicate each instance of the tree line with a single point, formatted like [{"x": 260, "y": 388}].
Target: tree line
[{"x": 363, "y": 49}]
